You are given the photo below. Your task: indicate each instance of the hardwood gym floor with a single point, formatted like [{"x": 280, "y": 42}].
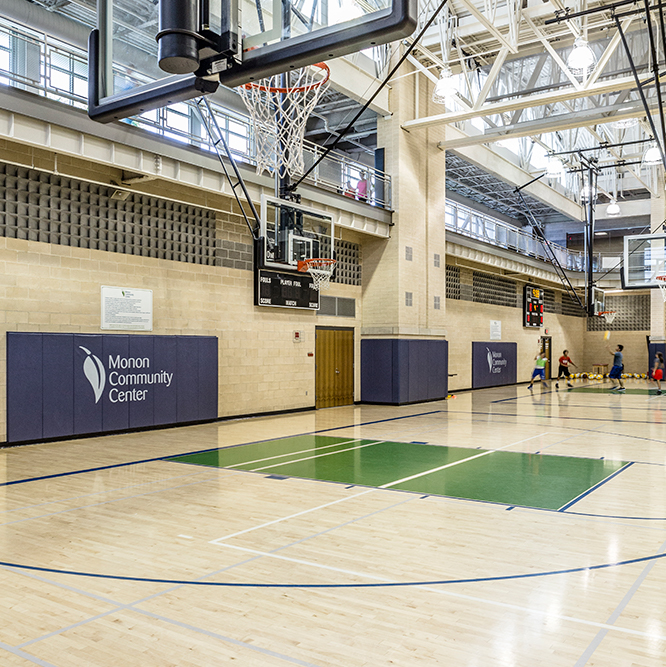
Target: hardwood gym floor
[{"x": 500, "y": 528}]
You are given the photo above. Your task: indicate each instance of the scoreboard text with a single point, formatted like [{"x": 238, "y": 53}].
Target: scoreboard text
[
  {"x": 285, "y": 290},
  {"x": 533, "y": 306}
]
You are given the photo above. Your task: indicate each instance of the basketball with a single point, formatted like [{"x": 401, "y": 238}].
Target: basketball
[{"x": 606, "y": 335}]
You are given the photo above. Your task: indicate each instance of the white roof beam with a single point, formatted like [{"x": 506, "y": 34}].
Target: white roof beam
[
  {"x": 488, "y": 25},
  {"x": 606, "y": 56},
  {"x": 492, "y": 77},
  {"x": 525, "y": 102},
  {"x": 565, "y": 121}
]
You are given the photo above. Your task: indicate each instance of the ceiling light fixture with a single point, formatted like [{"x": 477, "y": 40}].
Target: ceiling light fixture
[
  {"x": 613, "y": 209},
  {"x": 445, "y": 88},
  {"x": 581, "y": 60},
  {"x": 652, "y": 155},
  {"x": 624, "y": 123},
  {"x": 555, "y": 167}
]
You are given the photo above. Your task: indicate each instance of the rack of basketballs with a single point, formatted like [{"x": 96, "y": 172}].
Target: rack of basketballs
[{"x": 601, "y": 376}]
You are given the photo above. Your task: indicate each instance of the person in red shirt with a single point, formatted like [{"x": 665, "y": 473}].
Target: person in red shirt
[{"x": 563, "y": 371}]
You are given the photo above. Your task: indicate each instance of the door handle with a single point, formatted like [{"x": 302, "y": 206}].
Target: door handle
[{"x": 337, "y": 371}]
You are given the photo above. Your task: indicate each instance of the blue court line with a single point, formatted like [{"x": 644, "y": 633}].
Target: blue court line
[
  {"x": 595, "y": 487},
  {"x": 200, "y": 451},
  {"x": 396, "y": 584}
]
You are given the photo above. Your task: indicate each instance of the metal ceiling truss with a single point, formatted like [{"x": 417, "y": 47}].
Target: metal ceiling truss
[{"x": 534, "y": 94}]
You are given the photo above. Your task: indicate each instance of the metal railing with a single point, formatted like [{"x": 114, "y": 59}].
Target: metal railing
[
  {"x": 468, "y": 222},
  {"x": 38, "y": 63}
]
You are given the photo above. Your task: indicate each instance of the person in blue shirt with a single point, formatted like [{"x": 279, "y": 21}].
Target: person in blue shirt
[{"x": 618, "y": 365}]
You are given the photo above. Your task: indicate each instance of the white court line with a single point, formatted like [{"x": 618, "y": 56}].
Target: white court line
[
  {"x": 320, "y": 456},
  {"x": 341, "y": 500},
  {"x": 291, "y": 516},
  {"x": 473, "y": 598},
  {"x": 455, "y": 463},
  {"x": 302, "y": 451}
]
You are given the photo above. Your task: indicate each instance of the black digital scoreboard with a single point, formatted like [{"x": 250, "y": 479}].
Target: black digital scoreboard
[
  {"x": 285, "y": 290},
  {"x": 532, "y": 306}
]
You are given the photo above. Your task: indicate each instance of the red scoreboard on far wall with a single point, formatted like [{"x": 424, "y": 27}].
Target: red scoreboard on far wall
[{"x": 533, "y": 306}]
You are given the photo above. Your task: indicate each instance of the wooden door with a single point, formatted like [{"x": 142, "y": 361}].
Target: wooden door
[
  {"x": 546, "y": 347},
  {"x": 334, "y": 364}
]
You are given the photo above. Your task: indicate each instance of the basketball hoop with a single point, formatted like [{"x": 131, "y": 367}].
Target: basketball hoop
[
  {"x": 661, "y": 281},
  {"x": 608, "y": 315},
  {"x": 279, "y": 114},
  {"x": 320, "y": 270}
]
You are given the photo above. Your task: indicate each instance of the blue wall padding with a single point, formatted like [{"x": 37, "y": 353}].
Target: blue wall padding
[
  {"x": 60, "y": 385},
  {"x": 58, "y": 406},
  {"x": 166, "y": 399},
  {"x": 494, "y": 364},
  {"x": 87, "y": 411},
  {"x": 188, "y": 379},
  {"x": 142, "y": 413},
  {"x": 25, "y": 405},
  {"x": 404, "y": 371},
  {"x": 115, "y": 416}
]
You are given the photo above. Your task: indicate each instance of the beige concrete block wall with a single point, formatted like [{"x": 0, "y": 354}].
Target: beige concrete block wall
[
  {"x": 468, "y": 321},
  {"x": 635, "y": 349},
  {"x": 54, "y": 288}
]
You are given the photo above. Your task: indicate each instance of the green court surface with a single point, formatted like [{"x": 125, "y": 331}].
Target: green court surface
[
  {"x": 531, "y": 480},
  {"x": 606, "y": 389}
]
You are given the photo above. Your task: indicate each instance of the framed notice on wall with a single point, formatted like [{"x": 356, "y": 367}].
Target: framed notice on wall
[{"x": 127, "y": 309}]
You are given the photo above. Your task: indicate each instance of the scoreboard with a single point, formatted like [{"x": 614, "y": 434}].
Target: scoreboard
[
  {"x": 533, "y": 306},
  {"x": 285, "y": 290}
]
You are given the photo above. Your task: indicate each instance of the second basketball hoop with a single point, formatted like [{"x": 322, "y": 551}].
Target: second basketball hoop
[
  {"x": 320, "y": 271},
  {"x": 279, "y": 114}
]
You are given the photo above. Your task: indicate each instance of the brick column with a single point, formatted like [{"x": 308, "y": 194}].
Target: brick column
[{"x": 404, "y": 277}]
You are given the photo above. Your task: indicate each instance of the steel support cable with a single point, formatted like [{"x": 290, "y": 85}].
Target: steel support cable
[
  {"x": 640, "y": 89},
  {"x": 209, "y": 121},
  {"x": 564, "y": 279},
  {"x": 389, "y": 76},
  {"x": 655, "y": 70}
]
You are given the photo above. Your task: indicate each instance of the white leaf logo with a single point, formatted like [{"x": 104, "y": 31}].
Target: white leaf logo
[
  {"x": 94, "y": 372},
  {"x": 490, "y": 361}
]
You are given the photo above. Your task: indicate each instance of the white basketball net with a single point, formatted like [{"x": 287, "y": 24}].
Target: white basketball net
[
  {"x": 279, "y": 117},
  {"x": 609, "y": 316},
  {"x": 320, "y": 270}
]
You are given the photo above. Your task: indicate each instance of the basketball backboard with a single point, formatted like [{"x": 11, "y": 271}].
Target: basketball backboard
[
  {"x": 206, "y": 42},
  {"x": 290, "y": 233},
  {"x": 644, "y": 259},
  {"x": 599, "y": 301}
]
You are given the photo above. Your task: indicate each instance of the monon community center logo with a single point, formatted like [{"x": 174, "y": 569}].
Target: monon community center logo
[
  {"x": 125, "y": 385},
  {"x": 496, "y": 363}
]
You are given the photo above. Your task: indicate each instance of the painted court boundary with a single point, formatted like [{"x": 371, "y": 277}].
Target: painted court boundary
[
  {"x": 295, "y": 435},
  {"x": 389, "y": 584},
  {"x": 202, "y": 451}
]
